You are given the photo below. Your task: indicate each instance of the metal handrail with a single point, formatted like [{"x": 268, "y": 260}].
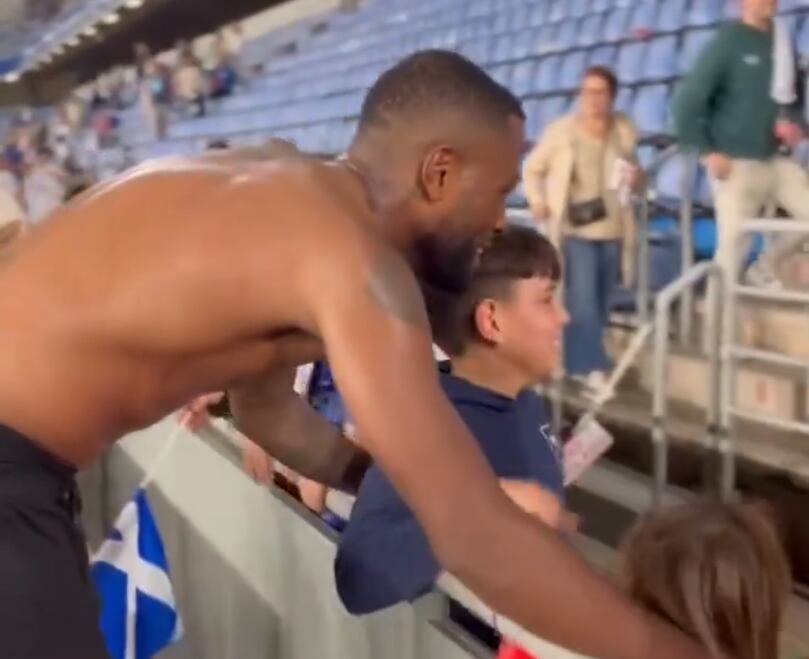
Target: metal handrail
[
  {"x": 662, "y": 339},
  {"x": 731, "y": 351}
]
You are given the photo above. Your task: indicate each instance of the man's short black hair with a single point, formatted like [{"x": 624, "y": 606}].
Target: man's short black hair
[
  {"x": 513, "y": 254},
  {"x": 436, "y": 79}
]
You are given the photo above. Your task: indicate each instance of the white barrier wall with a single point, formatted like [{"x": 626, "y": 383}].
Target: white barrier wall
[{"x": 252, "y": 568}]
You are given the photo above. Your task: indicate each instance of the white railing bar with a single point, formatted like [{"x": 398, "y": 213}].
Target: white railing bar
[
  {"x": 790, "y": 225},
  {"x": 783, "y": 424},
  {"x": 773, "y": 294},
  {"x": 740, "y": 352}
]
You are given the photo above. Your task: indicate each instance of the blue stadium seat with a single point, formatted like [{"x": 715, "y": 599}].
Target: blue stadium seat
[
  {"x": 558, "y": 37},
  {"x": 547, "y": 74},
  {"x": 650, "y": 110},
  {"x": 598, "y": 6},
  {"x": 694, "y": 44},
  {"x": 615, "y": 28},
  {"x": 661, "y": 58},
  {"x": 672, "y": 14},
  {"x": 580, "y": 8},
  {"x": 539, "y": 15},
  {"x": 557, "y": 10},
  {"x": 644, "y": 16},
  {"x": 623, "y": 102},
  {"x": 502, "y": 48},
  {"x": 520, "y": 18},
  {"x": 502, "y": 74},
  {"x": 553, "y": 108},
  {"x": 533, "y": 118},
  {"x": 603, "y": 56},
  {"x": 523, "y": 77},
  {"x": 646, "y": 155},
  {"x": 803, "y": 38},
  {"x": 705, "y": 12},
  {"x": 669, "y": 181},
  {"x": 590, "y": 30},
  {"x": 523, "y": 44},
  {"x": 573, "y": 67},
  {"x": 631, "y": 62}
]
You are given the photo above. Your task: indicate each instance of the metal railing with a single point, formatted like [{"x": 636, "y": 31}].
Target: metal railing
[
  {"x": 732, "y": 351},
  {"x": 719, "y": 440}
]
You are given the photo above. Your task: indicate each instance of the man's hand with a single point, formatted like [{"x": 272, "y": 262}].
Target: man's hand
[
  {"x": 196, "y": 414},
  {"x": 718, "y": 165},
  {"x": 540, "y": 503},
  {"x": 789, "y": 133},
  {"x": 256, "y": 462}
]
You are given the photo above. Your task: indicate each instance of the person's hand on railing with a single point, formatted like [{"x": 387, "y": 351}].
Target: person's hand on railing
[
  {"x": 540, "y": 503},
  {"x": 256, "y": 462},
  {"x": 718, "y": 165},
  {"x": 195, "y": 414}
]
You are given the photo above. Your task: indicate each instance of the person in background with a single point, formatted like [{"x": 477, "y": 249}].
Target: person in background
[
  {"x": 578, "y": 181},
  {"x": 715, "y": 570},
  {"x": 155, "y": 96},
  {"x": 45, "y": 186},
  {"x": 740, "y": 108},
  {"x": 12, "y": 223},
  {"x": 189, "y": 83},
  {"x": 9, "y": 183},
  {"x": 503, "y": 337}
]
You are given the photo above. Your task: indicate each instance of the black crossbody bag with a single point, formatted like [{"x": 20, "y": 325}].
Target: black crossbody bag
[{"x": 592, "y": 210}]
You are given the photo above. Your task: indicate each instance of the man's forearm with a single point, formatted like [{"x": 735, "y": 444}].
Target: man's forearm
[
  {"x": 527, "y": 572},
  {"x": 301, "y": 439}
]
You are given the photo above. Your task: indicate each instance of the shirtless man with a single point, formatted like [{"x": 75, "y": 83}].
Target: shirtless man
[{"x": 188, "y": 276}]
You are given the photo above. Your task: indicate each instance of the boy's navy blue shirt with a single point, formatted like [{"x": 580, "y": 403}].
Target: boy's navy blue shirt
[{"x": 384, "y": 557}]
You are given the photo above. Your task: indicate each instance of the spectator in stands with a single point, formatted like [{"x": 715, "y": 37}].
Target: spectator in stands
[
  {"x": 12, "y": 218},
  {"x": 503, "y": 337},
  {"x": 189, "y": 83},
  {"x": 155, "y": 96},
  {"x": 740, "y": 107},
  {"x": 9, "y": 183},
  {"x": 44, "y": 187},
  {"x": 578, "y": 180}
]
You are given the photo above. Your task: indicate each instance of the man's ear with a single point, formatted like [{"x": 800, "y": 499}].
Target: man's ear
[
  {"x": 439, "y": 173},
  {"x": 486, "y": 322}
]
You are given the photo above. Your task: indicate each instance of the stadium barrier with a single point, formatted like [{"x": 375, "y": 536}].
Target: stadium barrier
[{"x": 252, "y": 568}]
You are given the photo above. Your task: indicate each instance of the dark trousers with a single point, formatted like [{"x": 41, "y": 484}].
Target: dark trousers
[{"x": 48, "y": 606}]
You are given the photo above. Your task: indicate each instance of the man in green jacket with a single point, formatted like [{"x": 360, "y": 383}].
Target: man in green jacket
[{"x": 725, "y": 109}]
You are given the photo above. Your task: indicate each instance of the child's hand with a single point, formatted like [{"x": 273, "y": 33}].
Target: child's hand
[{"x": 540, "y": 503}]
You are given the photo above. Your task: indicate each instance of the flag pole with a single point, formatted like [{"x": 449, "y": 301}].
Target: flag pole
[{"x": 150, "y": 475}]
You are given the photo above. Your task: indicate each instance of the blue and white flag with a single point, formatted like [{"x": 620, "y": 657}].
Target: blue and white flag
[{"x": 138, "y": 614}]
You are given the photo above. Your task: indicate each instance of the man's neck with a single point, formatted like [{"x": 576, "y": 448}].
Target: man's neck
[
  {"x": 760, "y": 24},
  {"x": 486, "y": 370}
]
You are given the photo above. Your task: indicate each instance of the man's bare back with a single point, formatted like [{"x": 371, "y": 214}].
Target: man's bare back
[{"x": 179, "y": 278}]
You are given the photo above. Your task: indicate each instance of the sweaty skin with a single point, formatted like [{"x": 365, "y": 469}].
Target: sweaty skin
[{"x": 185, "y": 277}]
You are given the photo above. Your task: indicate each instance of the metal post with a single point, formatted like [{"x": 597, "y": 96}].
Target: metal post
[
  {"x": 727, "y": 338},
  {"x": 717, "y": 437},
  {"x": 643, "y": 292},
  {"x": 687, "y": 238},
  {"x": 659, "y": 436}
]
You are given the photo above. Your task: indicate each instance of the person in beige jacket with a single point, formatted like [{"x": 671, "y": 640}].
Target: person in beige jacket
[{"x": 578, "y": 181}]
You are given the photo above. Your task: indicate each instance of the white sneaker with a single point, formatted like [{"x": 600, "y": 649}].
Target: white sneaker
[{"x": 762, "y": 276}]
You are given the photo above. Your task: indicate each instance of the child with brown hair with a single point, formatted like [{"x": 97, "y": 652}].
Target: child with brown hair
[{"x": 715, "y": 570}]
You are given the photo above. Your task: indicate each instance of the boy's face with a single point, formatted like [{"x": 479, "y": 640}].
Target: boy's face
[{"x": 529, "y": 328}]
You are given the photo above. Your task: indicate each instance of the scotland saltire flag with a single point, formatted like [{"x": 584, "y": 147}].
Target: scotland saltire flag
[{"x": 138, "y": 614}]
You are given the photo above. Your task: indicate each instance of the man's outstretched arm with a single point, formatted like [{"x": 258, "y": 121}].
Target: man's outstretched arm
[
  {"x": 270, "y": 413},
  {"x": 378, "y": 344}
]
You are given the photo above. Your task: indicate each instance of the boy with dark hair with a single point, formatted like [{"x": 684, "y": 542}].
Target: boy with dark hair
[{"x": 503, "y": 337}]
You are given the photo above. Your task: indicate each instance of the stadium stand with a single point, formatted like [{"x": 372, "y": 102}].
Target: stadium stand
[{"x": 539, "y": 48}]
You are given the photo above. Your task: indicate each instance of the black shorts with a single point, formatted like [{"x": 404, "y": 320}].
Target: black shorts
[{"x": 48, "y": 606}]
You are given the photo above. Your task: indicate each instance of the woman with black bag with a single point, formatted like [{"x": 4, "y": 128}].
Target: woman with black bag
[{"x": 578, "y": 181}]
